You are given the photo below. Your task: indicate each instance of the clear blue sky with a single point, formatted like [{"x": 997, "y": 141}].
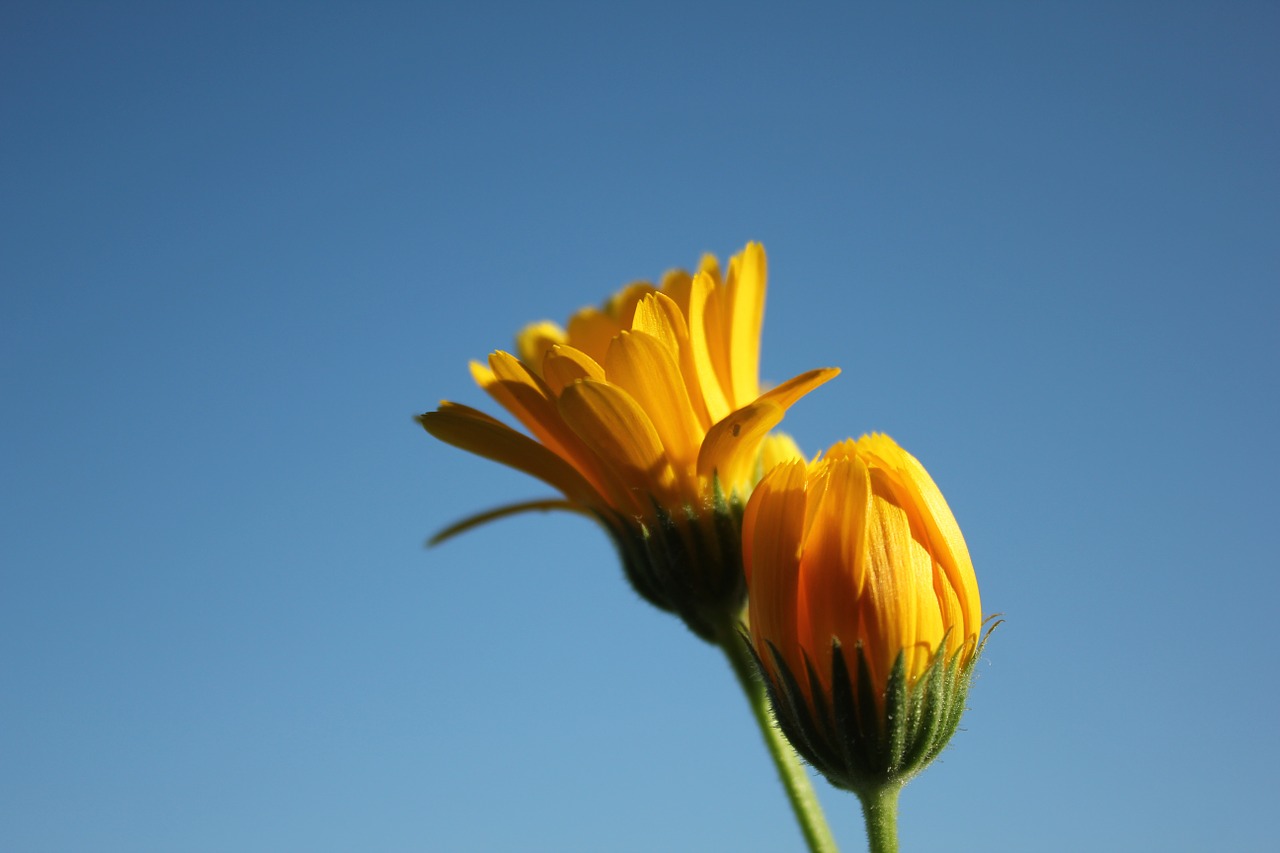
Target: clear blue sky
[{"x": 241, "y": 245}]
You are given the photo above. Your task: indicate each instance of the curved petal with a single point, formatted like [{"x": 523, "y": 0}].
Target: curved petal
[
  {"x": 476, "y": 432},
  {"x": 645, "y": 369},
  {"x": 797, "y": 386},
  {"x": 610, "y": 422},
  {"x": 564, "y": 365},
  {"x": 658, "y": 315},
  {"x": 528, "y": 397},
  {"x": 731, "y": 447},
  {"x": 535, "y": 339}
]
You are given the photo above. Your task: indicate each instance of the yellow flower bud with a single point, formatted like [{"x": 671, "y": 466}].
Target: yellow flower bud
[{"x": 864, "y": 610}]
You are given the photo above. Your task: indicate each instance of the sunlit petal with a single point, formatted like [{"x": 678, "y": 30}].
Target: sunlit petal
[
  {"x": 535, "y": 339},
  {"x": 564, "y": 365},
  {"x": 746, "y": 316},
  {"x": 645, "y": 369},
  {"x": 609, "y": 420}
]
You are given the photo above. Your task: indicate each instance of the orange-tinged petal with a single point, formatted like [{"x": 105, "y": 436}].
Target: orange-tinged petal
[
  {"x": 774, "y": 519},
  {"x": 643, "y": 367},
  {"x": 609, "y": 421},
  {"x": 476, "y": 432},
  {"x": 867, "y": 576},
  {"x": 832, "y": 574}
]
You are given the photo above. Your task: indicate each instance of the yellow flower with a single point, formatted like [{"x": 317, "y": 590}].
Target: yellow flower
[
  {"x": 864, "y": 610},
  {"x": 648, "y": 415}
]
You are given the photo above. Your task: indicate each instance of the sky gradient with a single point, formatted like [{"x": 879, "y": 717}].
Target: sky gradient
[{"x": 243, "y": 244}]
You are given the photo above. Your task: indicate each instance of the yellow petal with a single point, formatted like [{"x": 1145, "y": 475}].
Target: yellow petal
[
  {"x": 622, "y": 307},
  {"x": 832, "y": 570},
  {"x": 563, "y": 365},
  {"x": 644, "y": 368},
  {"x": 715, "y": 311},
  {"x": 715, "y": 401},
  {"x": 609, "y": 421},
  {"x": 731, "y": 447},
  {"x": 660, "y": 316},
  {"x": 797, "y": 386},
  {"x": 710, "y": 265},
  {"x": 772, "y": 526},
  {"x": 940, "y": 529},
  {"x": 676, "y": 284},
  {"x": 746, "y": 294},
  {"x": 900, "y": 609},
  {"x": 527, "y": 397},
  {"x": 778, "y": 447},
  {"x": 482, "y": 435},
  {"x": 535, "y": 339},
  {"x": 590, "y": 331}
]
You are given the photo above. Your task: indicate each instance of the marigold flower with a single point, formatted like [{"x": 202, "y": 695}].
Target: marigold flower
[
  {"x": 864, "y": 610},
  {"x": 648, "y": 415}
]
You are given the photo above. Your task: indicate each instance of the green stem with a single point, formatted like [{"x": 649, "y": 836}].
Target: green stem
[
  {"x": 804, "y": 802},
  {"x": 880, "y": 809}
]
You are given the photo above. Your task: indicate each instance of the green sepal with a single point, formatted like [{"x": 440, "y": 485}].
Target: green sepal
[
  {"x": 862, "y": 739},
  {"x": 479, "y": 518},
  {"x": 687, "y": 561}
]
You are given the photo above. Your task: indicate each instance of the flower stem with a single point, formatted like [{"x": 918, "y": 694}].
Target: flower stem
[
  {"x": 880, "y": 809},
  {"x": 804, "y": 802}
]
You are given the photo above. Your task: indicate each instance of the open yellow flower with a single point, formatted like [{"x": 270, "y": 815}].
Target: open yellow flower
[
  {"x": 864, "y": 610},
  {"x": 647, "y": 414}
]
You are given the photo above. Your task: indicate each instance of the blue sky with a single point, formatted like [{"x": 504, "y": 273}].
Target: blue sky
[{"x": 243, "y": 244}]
